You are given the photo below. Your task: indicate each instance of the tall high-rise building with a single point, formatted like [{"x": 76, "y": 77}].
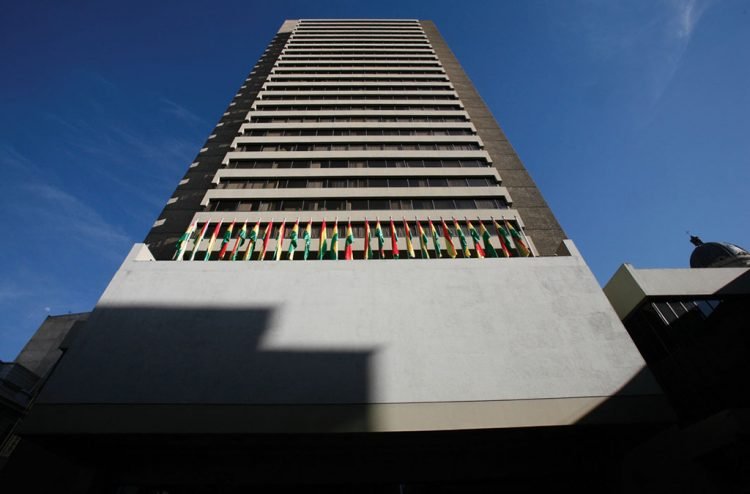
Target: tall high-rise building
[
  {"x": 357, "y": 120},
  {"x": 447, "y": 369}
]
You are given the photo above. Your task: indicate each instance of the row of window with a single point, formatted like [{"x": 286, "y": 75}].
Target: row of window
[
  {"x": 369, "y": 63},
  {"x": 308, "y": 28},
  {"x": 382, "y": 32},
  {"x": 445, "y": 87},
  {"x": 356, "y": 118},
  {"x": 411, "y": 163},
  {"x": 354, "y": 204},
  {"x": 360, "y": 146},
  {"x": 354, "y": 51},
  {"x": 300, "y": 43},
  {"x": 302, "y": 97},
  {"x": 410, "y": 34},
  {"x": 319, "y": 78},
  {"x": 363, "y": 70},
  {"x": 360, "y": 58},
  {"x": 355, "y": 182},
  {"x": 357, "y": 132},
  {"x": 335, "y": 107}
]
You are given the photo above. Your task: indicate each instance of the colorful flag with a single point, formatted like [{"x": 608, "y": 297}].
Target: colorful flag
[
  {"x": 504, "y": 238},
  {"x": 448, "y": 240},
  {"x": 323, "y": 248},
  {"x": 266, "y": 237},
  {"x": 279, "y": 242},
  {"x": 349, "y": 249},
  {"x": 240, "y": 239},
  {"x": 334, "y": 253},
  {"x": 422, "y": 241},
  {"x": 521, "y": 246},
  {"x": 477, "y": 242},
  {"x": 488, "y": 248},
  {"x": 435, "y": 239},
  {"x": 253, "y": 238},
  {"x": 381, "y": 239},
  {"x": 293, "y": 240},
  {"x": 394, "y": 240},
  {"x": 225, "y": 240},
  {"x": 367, "y": 251},
  {"x": 462, "y": 239},
  {"x": 212, "y": 240},
  {"x": 183, "y": 241},
  {"x": 198, "y": 241},
  {"x": 407, "y": 234},
  {"x": 306, "y": 237}
]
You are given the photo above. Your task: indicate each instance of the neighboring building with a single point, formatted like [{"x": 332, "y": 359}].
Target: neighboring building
[
  {"x": 692, "y": 328},
  {"x": 384, "y": 375},
  {"x": 21, "y": 380}
]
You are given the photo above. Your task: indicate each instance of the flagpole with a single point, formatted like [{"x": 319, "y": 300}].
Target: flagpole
[
  {"x": 523, "y": 234},
  {"x": 280, "y": 241}
]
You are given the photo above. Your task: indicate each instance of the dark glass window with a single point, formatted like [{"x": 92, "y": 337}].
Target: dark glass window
[{"x": 477, "y": 181}]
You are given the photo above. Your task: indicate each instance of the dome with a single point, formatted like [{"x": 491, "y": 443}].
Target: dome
[{"x": 717, "y": 255}]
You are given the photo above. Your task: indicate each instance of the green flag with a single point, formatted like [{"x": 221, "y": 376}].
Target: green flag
[
  {"x": 488, "y": 248},
  {"x": 306, "y": 237},
  {"x": 293, "y": 240},
  {"x": 462, "y": 239}
]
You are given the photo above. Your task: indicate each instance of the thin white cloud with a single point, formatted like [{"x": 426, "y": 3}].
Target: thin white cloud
[
  {"x": 11, "y": 290},
  {"x": 634, "y": 49},
  {"x": 10, "y": 157},
  {"x": 180, "y": 111},
  {"x": 687, "y": 14},
  {"x": 78, "y": 220}
]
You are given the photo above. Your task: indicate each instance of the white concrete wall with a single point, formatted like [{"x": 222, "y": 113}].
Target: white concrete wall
[{"x": 432, "y": 331}]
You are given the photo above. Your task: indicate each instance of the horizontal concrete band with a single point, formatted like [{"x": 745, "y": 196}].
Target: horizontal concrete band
[
  {"x": 359, "y": 57},
  {"x": 359, "y": 192},
  {"x": 391, "y": 417},
  {"x": 353, "y": 172},
  {"x": 306, "y": 31},
  {"x": 357, "y": 113},
  {"x": 271, "y": 84},
  {"x": 325, "y": 36},
  {"x": 377, "y": 33},
  {"x": 359, "y": 216},
  {"x": 260, "y": 103},
  {"x": 356, "y": 45},
  {"x": 379, "y": 139},
  {"x": 441, "y": 76},
  {"x": 358, "y": 28},
  {"x": 288, "y": 51},
  {"x": 312, "y": 68},
  {"x": 357, "y": 125},
  {"x": 332, "y": 155},
  {"x": 399, "y": 38},
  {"x": 269, "y": 92}
]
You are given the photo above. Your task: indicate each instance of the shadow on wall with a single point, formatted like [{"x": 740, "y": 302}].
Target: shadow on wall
[
  {"x": 640, "y": 400},
  {"x": 161, "y": 366}
]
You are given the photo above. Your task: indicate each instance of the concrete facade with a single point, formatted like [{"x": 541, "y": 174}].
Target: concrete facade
[{"x": 408, "y": 345}]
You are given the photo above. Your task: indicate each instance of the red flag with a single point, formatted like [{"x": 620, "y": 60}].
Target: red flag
[
  {"x": 394, "y": 240},
  {"x": 266, "y": 238},
  {"x": 226, "y": 240}
]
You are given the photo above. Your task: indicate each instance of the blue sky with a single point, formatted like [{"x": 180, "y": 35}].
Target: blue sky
[{"x": 632, "y": 116}]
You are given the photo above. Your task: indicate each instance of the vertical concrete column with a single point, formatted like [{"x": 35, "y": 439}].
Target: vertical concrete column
[{"x": 541, "y": 224}]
